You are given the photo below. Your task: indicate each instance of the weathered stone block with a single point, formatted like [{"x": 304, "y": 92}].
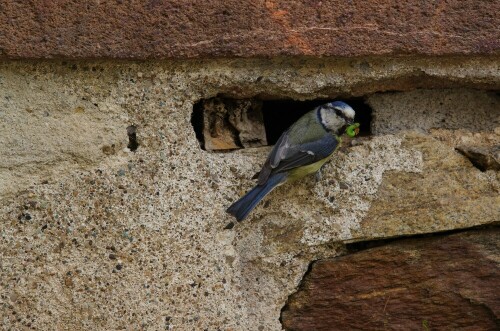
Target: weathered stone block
[
  {"x": 444, "y": 282},
  {"x": 449, "y": 192},
  {"x": 191, "y": 29}
]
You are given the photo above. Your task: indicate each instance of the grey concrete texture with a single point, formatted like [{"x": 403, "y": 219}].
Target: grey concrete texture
[
  {"x": 423, "y": 109},
  {"x": 94, "y": 236}
]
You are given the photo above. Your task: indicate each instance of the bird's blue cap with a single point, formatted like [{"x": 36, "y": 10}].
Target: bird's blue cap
[
  {"x": 339, "y": 104},
  {"x": 346, "y": 109}
]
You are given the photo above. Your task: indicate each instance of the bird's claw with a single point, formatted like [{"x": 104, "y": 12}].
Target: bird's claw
[{"x": 319, "y": 175}]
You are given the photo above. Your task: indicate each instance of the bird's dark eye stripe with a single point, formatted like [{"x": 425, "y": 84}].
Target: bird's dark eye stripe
[{"x": 341, "y": 114}]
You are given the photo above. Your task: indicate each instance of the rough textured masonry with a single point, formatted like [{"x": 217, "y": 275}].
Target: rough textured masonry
[
  {"x": 380, "y": 285},
  {"x": 94, "y": 236},
  {"x": 187, "y": 29},
  {"x": 112, "y": 216}
]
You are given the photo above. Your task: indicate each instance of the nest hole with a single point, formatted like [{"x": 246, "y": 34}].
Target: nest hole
[{"x": 224, "y": 124}]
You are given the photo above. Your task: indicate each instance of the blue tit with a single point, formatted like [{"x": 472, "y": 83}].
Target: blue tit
[{"x": 301, "y": 150}]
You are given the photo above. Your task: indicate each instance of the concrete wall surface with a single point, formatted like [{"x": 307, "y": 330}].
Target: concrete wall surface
[{"x": 96, "y": 236}]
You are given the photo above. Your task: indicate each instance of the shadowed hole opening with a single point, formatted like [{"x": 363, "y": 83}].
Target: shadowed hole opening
[
  {"x": 133, "y": 144},
  {"x": 197, "y": 122},
  {"x": 279, "y": 115},
  {"x": 224, "y": 124}
]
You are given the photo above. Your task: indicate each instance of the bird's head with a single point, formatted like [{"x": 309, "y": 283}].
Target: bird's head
[{"x": 336, "y": 115}]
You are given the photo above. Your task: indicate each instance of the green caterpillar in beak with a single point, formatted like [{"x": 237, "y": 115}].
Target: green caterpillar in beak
[{"x": 352, "y": 130}]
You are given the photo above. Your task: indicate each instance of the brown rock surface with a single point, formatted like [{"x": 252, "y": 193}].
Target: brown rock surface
[
  {"x": 440, "y": 283},
  {"x": 180, "y": 29}
]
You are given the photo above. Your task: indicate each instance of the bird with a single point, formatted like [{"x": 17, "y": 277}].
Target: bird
[{"x": 301, "y": 150}]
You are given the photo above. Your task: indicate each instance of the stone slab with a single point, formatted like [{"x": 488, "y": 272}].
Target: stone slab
[
  {"x": 444, "y": 282},
  {"x": 194, "y": 29}
]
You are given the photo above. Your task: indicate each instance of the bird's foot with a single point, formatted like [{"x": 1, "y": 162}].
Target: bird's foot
[{"x": 318, "y": 176}]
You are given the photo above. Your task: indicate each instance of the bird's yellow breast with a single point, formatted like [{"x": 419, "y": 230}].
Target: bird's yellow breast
[{"x": 303, "y": 171}]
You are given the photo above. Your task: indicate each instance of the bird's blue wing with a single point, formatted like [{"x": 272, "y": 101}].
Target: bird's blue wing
[
  {"x": 286, "y": 156},
  {"x": 275, "y": 156},
  {"x": 307, "y": 153}
]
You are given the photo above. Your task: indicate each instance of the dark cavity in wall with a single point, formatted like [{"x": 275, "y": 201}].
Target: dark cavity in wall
[
  {"x": 197, "y": 122},
  {"x": 133, "y": 144},
  {"x": 223, "y": 124},
  {"x": 280, "y": 114}
]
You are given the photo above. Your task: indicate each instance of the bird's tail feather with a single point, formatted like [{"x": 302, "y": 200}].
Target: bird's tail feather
[{"x": 241, "y": 208}]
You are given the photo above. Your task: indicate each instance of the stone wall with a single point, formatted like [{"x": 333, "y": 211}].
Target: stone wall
[
  {"x": 97, "y": 236},
  {"x": 112, "y": 216},
  {"x": 434, "y": 283},
  {"x": 181, "y": 29}
]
